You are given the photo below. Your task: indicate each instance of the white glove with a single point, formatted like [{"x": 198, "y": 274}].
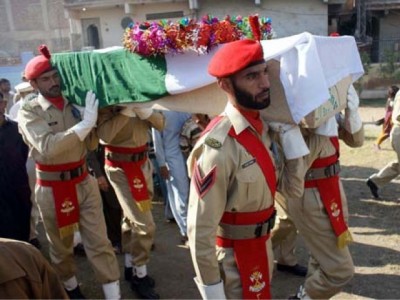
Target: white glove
[
  {"x": 215, "y": 291},
  {"x": 292, "y": 140},
  {"x": 83, "y": 128},
  {"x": 328, "y": 128},
  {"x": 143, "y": 112},
  {"x": 352, "y": 120},
  {"x": 353, "y": 101}
]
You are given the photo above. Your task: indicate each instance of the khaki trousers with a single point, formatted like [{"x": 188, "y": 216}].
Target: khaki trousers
[
  {"x": 92, "y": 228},
  {"x": 284, "y": 235},
  {"x": 391, "y": 170},
  {"x": 330, "y": 268},
  {"x": 141, "y": 223}
]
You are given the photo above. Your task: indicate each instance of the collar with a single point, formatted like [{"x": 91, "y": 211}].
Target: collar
[
  {"x": 45, "y": 104},
  {"x": 238, "y": 121}
]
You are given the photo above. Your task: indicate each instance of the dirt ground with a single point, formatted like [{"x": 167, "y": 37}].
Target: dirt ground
[{"x": 375, "y": 225}]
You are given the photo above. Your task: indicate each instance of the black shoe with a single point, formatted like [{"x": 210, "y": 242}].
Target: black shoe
[
  {"x": 144, "y": 287},
  {"x": 373, "y": 188},
  {"x": 79, "y": 250},
  {"x": 35, "y": 242},
  {"x": 128, "y": 275},
  {"x": 297, "y": 269},
  {"x": 75, "y": 293}
]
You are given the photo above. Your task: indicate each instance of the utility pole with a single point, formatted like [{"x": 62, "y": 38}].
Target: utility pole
[{"x": 361, "y": 20}]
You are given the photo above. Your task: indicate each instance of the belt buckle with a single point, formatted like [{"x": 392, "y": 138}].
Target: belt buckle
[
  {"x": 65, "y": 175},
  {"x": 258, "y": 230}
]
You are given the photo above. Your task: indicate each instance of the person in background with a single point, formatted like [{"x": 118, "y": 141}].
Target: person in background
[
  {"x": 67, "y": 196},
  {"x": 8, "y": 95},
  {"x": 25, "y": 90},
  {"x": 191, "y": 132},
  {"x": 391, "y": 170},
  {"x": 111, "y": 207},
  {"x": 15, "y": 194},
  {"x": 234, "y": 176},
  {"x": 124, "y": 134},
  {"x": 172, "y": 167},
  {"x": 26, "y": 274},
  {"x": 386, "y": 121}
]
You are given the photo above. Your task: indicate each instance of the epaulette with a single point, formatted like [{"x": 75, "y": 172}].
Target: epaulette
[
  {"x": 30, "y": 102},
  {"x": 216, "y": 137}
]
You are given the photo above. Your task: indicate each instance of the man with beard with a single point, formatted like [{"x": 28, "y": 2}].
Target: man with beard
[
  {"x": 234, "y": 175},
  {"x": 67, "y": 197}
]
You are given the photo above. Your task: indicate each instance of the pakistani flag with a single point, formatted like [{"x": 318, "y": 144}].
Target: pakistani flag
[
  {"x": 118, "y": 76},
  {"x": 308, "y": 67}
]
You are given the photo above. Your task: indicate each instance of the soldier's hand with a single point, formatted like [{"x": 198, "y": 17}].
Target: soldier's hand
[
  {"x": 91, "y": 108},
  {"x": 292, "y": 141},
  {"x": 83, "y": 128},
  {"x": 353, "y": 101}
]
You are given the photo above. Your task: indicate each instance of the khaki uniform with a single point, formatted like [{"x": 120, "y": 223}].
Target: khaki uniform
[
  {"x": 117, "y": 130},
  {"x": 391, "y": 170},
  {"x": 240, "y": 186},
  {"x": 330, "y": 268},
  {"x": 284, "y": 234},
  {"x": 47, "y": 131},
  {"x": 26, "y": 274}
]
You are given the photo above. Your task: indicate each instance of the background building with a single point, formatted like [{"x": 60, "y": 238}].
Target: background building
[{"x": 74, "y": 25}]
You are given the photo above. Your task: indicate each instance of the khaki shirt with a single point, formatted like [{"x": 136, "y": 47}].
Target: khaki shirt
[
  {"x": 26, "y": 274},
  {"x": 47, "y": 131},
  {"x": 122, "y": 131},
  {"x": 320, "y": 146},
  {"x": 239, "y": 186}
]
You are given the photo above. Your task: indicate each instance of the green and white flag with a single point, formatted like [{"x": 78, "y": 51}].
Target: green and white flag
[
  {"x": 118, "y": 76},
  {"x": 309, "y": 66}
]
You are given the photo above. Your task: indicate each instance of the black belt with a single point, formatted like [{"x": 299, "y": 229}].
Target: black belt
[
  {"x": 134, "y": 157},
  {"x": 326, "y": 172},
  {"x": 241, "y": 232},
  {"x": 61, "y": 175}
]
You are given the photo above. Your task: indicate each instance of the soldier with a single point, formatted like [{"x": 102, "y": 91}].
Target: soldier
[
  {"x": 26, "y": 274},
  {"x": 321, "y": 214},
  {"x": 284, "y": 238},
  {"x": 124, "y": 134},
  {"x": 233, "y": 181},
  {"x": 67, "y": 197}
]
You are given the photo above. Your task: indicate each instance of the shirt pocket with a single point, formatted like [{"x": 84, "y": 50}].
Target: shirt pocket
[{"x": 248, "y": 182}]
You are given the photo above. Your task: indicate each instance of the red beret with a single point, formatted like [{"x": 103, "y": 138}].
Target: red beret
[
  {"x": 39, "y": 64},
  {"x": 235, "y": 56}
]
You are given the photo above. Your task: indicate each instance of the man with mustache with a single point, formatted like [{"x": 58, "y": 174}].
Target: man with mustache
[
  {"x": 235, "y": 169},
  {"x": 68, "y": 198}
]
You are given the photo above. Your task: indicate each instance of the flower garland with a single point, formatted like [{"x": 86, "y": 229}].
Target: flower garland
[{"x": 162, "y": 37}]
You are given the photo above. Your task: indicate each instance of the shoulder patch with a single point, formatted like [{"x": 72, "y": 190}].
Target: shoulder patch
[
  {"x": 216, "y": 137},
  {"x": 29, "y": 102},
  {"x": 214, "y": 143}
]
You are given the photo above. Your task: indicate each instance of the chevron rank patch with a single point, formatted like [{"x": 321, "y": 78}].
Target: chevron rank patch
[{"x": 204, "y": 183}]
